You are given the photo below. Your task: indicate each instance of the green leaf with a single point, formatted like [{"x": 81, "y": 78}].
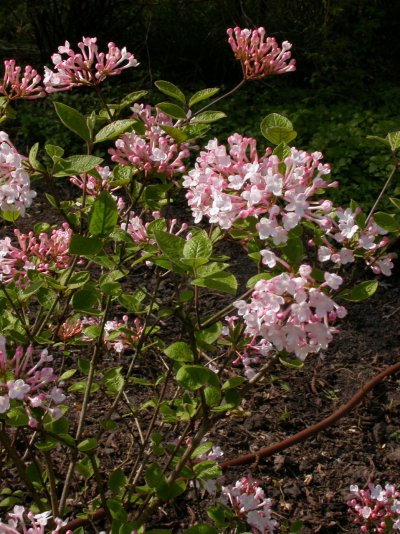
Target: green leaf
[
  {"x": 179, "y": 352},
  {"x": 199, "y": 246},
  {"x": 80, "y": 387},
  {"x": 72, "y": 119},
  {"x": 113, "y": 380},
  {"x": 172, "y": 110},
  {"x": 277, "y": 129},
  {"x": 55, "y": 152},
  {"x": 282, "y": 151},
  {"x": 274, "y": 119},
  {"x": 251, "y": 282},
  {"x": 232, "y": 399},
  {"x": 131, "y": 98},
  {"x": 168, "y": 492},
  {"x": 201, "y": 449},
  {"x": 201, "y": 528},
  {"x": 233, "y": 383},
  {"x": 203, "y": 94},
  {"x": 395, "y": 202},
  {"x": 153, "y": 475},
  {"x": 87, "y": 445},
  {"x": 278, "y": 135},
  {"x": 85, "y": 300},
  {"x": 207, "y": 470},
  {"x": 113, "y": 130},
  {"x": 394, "y": 140},
  {"x": 76, "y": 165},
  {"x": 9, "y": 501},
  {"x": 67, "y": 374},
  {"x": 171, "y": 245},
  {"x": 378, "y": 139},
  {"x": 17, "y": 417},
  {"x": 171, "y": 90},
  {"x": 177, "y": 133},
  {"x": 386, "y": 221},
  {"x": 359, "y": 292},
  {"x": 220, "y": 281},
  {"x": 292, "y": 363},
  {"x": 84, "y": 246},
  {"x": 212, "y": 395},
  {"x": 103, "y": 215},
  {"x": 210, "y": 334},
  {"x": 117, "y": 482},
  {"x": 116, "y": 509},
  {"x": 46, "y": 444},
  {"x": 193, "y": 377},
  {"x": 10, "y": 216},
  {"x": 33, "y": 157},
  {"x": 77, "y": 279},
  {"x": 207, "y": 117}
]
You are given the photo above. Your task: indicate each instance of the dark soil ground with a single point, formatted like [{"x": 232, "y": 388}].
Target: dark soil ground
[{"x": 309, "y": 481}]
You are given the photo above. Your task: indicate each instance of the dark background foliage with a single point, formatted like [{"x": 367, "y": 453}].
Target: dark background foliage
[
  {"x": 344, "y": 42},
  {"x": 346, "y": 85}
]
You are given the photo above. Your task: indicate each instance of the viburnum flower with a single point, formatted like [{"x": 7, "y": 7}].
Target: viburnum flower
[
  {"x": 375, "y": 508},
  {"x": 29, "y": 382},
  {"x": 260, "y": 56},
  {"x": 99, "y": 180},
  {"x": 344, "y": 240},
  {"x": 249, "y": 503},
  {"x": 118, "y": 335},
  {"x": 88, "y": 67},
  {"x": 229, "y": 185},
  {"x": 13, "y": 87},
  {"x": 155, "y": 152},
  {"x": 212, "y": 454},
  {"x": 18, "y": 518},
  {"x": 44, "y": 253},
  {"x": 15, "y": 190},
  {"x": 291, "y": 313},
  {"x": 137, "y": 228}
]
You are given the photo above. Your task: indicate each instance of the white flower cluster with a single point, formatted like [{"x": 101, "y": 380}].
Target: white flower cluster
[{"x": 15, "y": 189}]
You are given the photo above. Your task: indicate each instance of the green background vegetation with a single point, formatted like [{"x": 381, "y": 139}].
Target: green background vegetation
[{"x": 346, "y": 85}]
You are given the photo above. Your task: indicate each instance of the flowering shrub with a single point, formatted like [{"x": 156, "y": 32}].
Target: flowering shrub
[
  {"x": 15, "y": 192},
  {"x": 375, "y": 508},
  {"x": 115, "y": 290}
]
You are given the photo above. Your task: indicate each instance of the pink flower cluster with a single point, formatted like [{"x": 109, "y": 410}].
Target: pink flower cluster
[
  {"x": 17, "y": 522},
  {"x": 225, "y": 186},
  {"x": 375, "y": 507},
  {"x": 43, "y": 254},
  {"x": 291, "y": 313},
  {"x": 118, "y": 335},
  {"x": 13, "y": 87},
  {"x": 23, "y": 380},
  {"x": 88, "y": 67},
  {"x": 249, "y": 503},
  {"x": 93, "y": 184},
  {"x": 259, "y": 55},
  {"x": 137, "y": 228},
  {"x": 342, "y": 227},
  {"x": 155, "y": 152},
  {"x": 15, "y": 190}
]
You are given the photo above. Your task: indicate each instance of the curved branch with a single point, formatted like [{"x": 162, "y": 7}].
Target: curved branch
[
  {"x": 314, "y": 429},
  {"x": 281, "y": 445}
]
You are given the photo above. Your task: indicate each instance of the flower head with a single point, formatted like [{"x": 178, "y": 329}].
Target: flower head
[
  {"x": 25, "y": 379},
  {"x": 15, "y": 191},
  {"x": 259, "y": 55},
  {"x": 13, "y": 87},
  {"x": 88, "y": 67}
]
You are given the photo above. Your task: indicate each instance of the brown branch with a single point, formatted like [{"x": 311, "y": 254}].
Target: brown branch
[
  {"x": 281, "y": 445},
  {"x": 314, "y": 429}
]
